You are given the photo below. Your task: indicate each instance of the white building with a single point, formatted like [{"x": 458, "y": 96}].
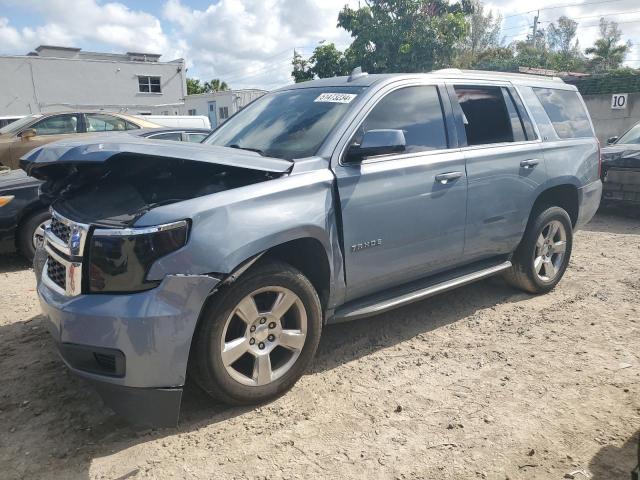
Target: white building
[
  {"x": 218, "y": 106},
  {"x": 60, "y": 78}
]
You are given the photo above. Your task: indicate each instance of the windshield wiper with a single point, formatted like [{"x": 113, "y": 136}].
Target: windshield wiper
[{"x": 257, "y": 150}]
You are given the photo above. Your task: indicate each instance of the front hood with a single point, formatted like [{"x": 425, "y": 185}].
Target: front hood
[
  {"x": 621, "y": 156},
  {"x": 11, "y": 179},
  {"x": 95, "y": 151}
]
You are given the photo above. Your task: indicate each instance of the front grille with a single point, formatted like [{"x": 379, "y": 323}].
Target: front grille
[
  {"x": 56, "y": 272},
  {"x": 60, "y": 230}
]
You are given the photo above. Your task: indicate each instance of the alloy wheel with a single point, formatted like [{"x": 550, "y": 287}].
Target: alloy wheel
[
  {"x": 550, "y": 251},
  {"x": 264, "y": 336}
]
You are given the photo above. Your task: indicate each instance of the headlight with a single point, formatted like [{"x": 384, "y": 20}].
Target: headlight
[
  {"x": 5, "y": 199},
  {"x": 119, "y": 260}
]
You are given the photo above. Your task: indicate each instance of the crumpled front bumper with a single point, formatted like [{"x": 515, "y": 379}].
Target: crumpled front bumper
[{"x": 135, "y": 347}]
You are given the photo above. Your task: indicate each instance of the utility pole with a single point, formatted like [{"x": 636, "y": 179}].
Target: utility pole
[{"x": 535, "y": 28}]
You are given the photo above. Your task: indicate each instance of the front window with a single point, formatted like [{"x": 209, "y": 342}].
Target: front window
[
  {"x": 631, "y": 137},
  {"x": 149, "y": 84},
  {"x": 57, "y": 125},
  {"x": 18, "y": 125},
  {"x": 289, "y": 124}
]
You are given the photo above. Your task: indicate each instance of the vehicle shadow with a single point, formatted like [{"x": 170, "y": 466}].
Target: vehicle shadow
[
  {"x": 13, "y": 263},
  {"x": 613, "y": 462},
  {"x": 52, "y": 421}
]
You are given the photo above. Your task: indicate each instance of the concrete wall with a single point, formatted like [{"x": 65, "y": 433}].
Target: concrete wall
[
  {"x": 31, "y": 84},
  {"x": 609, "y": 122},
  {"x": 234, "y": 100}
]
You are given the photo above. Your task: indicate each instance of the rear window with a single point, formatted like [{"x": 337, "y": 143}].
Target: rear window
[
  {"x": 566, "y": 112},
  {"x": 490, "y": 115}
]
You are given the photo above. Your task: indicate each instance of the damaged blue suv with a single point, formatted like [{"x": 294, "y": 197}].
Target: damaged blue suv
[{"x": 321, "y": 202}]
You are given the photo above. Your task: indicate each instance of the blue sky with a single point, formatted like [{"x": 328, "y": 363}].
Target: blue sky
[{"x": 249, "y": 43}]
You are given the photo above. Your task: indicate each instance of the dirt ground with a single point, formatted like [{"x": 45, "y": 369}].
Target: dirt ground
[{"x": 482, "y": 382}]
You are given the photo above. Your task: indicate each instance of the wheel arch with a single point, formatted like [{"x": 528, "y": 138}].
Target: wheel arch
[{"x": 564, "y": 195}]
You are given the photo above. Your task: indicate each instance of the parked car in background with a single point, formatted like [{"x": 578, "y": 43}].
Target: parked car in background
[
  {"x": 621, "y": 169},
  {"x": 183, "y": 121},
  {"x": 324, "y": 201},
  {"x": 35, "y": 130},
  {"x": 7, "y": 119},
  {"x": 23, "y": 214}
]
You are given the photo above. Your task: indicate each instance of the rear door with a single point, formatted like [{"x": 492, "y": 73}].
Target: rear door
[
  {"x": 504, "y": 165},
  {"x": 401, "y": 219}
]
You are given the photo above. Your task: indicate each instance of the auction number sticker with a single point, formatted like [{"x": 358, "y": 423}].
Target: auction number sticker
[{"x": 336, "y": 97}]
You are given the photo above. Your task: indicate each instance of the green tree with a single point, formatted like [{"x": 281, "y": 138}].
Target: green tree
[
  {"x": 328, "y": 61},
  {"x": 483, "y": 35},
  {"x": 607, "y": 53},
  {"x": 215, "y": 85},
  {"x": 404, "y": 35},
  {"x": 194, "y": 87},
  {"x": 564, "y": 48},
  {"x": 301, "y": 68}
]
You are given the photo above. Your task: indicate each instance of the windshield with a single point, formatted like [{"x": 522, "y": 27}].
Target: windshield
[
  {"x": 632, "y": 136},
  {"x": 16, "y": 126},
  {"x": 289, "y": 124}
]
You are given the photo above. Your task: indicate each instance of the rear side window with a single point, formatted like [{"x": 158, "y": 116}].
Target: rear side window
[
  {"x": 490, "y": 115},
  {"x": 566, "y": 112},
  {"x": 414, "y": 110}
]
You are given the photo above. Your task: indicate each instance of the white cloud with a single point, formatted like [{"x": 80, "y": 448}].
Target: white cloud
[
  {"x": 250, "y": 42},
  {"x": 113, "y": 25}
]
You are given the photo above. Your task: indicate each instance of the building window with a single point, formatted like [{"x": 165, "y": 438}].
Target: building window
[
  {"x": 191, "y": 111},
  {"x": 149, "y": 84},
  {"x": 224, "y": 112}
]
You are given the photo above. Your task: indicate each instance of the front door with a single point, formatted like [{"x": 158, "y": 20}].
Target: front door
[
  {"x": 213, "y": 115},
  {"x": 49, "y": 129},
  {"x": 401, "y": 219}
]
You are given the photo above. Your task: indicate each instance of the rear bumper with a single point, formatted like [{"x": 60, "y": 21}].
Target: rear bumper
[
  {"x": 589, "y": 200},
  {"x": 134, "y": 348}
]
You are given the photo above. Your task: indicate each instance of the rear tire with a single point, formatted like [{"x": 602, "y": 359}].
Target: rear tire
[
  {"x": 257, "y": 336},
  {"x": 30, "y": 231},
  {"x": 541, "y": 259}
]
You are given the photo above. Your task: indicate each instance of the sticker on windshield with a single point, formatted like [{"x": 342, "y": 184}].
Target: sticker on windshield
[{"x": 336, "y": 97}]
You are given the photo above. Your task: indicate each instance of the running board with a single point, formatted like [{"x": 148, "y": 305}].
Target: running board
[{"x": 361, "y": 309}]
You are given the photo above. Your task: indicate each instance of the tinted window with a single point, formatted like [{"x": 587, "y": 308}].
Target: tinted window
[
  {"x": 565, "y": 111},
  {"x": 104, "y": 123},
  {"x": 516, "y": 124},
  {"x": 486, "y": 117},
  {"x": 289, "y": 124},
  {"x": 167, "y": 136},
  {"x": 57, "y": 125},
  {"x": 414, "y": 110},
  {"x": 632, "y": 136}
]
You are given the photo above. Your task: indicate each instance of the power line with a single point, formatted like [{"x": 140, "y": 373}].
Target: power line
[{"x": 553, "y": 7}]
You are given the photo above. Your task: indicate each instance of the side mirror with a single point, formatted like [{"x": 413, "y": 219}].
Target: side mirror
[
  {"x": 27, "y": 134},
  {"x": 612, "y": 140},
  {"x": 377, "y": 142}
]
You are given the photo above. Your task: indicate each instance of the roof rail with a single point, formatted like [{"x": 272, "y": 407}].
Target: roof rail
[{"x": 492, "y": 74}]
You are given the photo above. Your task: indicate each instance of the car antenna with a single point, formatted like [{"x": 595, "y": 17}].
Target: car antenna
[{"x": 356, "y": 73}]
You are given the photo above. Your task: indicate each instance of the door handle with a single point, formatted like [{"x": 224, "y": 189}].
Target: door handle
[
  {"x": 444, "y": 178},
  {"x": 529, "y": 163}
]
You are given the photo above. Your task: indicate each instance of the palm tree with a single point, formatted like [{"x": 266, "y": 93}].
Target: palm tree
[
  {"x": 607, "y": 54},
  {"x": 215, "y": 85}
]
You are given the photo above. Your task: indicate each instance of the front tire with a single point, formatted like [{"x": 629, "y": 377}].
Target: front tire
[
  {"x": 257, "y": 336},
  {"x": 31, "y": 233},
  {"x": 543, "y": 255}
]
